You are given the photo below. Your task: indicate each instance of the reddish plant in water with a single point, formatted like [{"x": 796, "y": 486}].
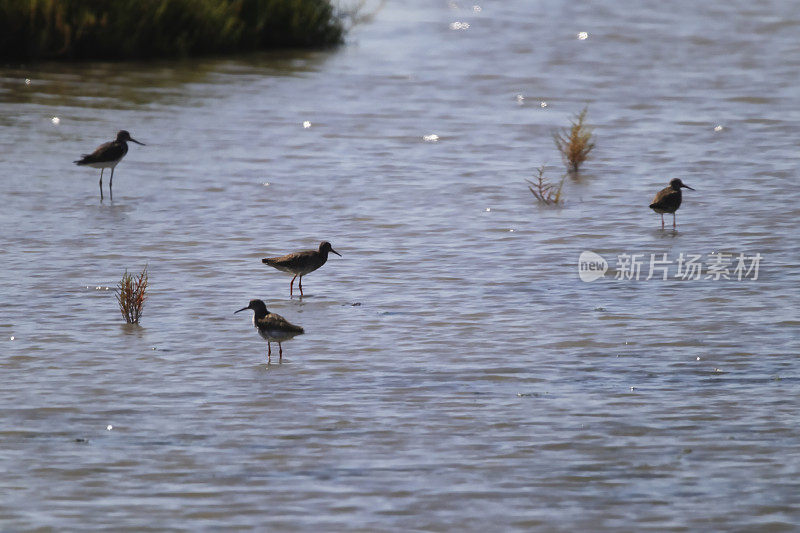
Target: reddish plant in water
[{"x": 131, "y": 294}]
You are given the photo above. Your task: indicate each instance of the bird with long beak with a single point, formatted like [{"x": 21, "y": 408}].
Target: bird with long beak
[
  {"x": 301, "y": 263},
  {"x": 272, "y": 327},
  {"x": 668, "y": 200},
  {"x": 108, "y": 155}
]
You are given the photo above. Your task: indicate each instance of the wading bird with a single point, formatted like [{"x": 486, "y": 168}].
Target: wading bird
[
  {"x": 271, "y": 327},
  {"x": 107, "y": 155},
  {"x": 668, "y": 200},
  {"x": 301, "y": 263}
]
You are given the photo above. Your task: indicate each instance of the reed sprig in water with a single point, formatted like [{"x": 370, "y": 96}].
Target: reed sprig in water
[
  {"x": 544, "y": 191},
  {"x": 576, "y": 142},
  {"x": 131, "y": 294}
]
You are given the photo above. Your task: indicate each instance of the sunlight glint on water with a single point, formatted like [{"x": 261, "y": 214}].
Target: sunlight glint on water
[{"x": 455, "y": 373}]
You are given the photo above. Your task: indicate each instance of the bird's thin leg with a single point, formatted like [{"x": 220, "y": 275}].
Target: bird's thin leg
[
  {"x": 291, "y": 285},
  {"x": 300, "y": 282},
  {"x": 662, "y": 220},
  {"x": 674, "y": 218},
  {"x": 280, "y": 357},
  {"x": 111, "y": 184},
  {"x": 101, "y": 183},
  {"x": 269, "y": 353}
]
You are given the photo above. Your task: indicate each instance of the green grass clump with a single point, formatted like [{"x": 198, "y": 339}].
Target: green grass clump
[
  {"x": 141, "y": 29},
  {"x": 575, "y": 142},
  {"x": 544, "y": 191},
  {"x": 131, "y": 294}
]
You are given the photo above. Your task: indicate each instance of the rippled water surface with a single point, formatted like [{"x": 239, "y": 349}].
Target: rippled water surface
[{"x": 456, "y": 374}]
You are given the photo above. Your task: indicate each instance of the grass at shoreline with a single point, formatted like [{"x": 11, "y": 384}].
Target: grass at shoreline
[{"x": 141, "y": 29}]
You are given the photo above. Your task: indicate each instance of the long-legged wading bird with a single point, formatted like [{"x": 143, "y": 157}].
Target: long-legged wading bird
[
  {"x": 668, "y": 200},
  {"x": 107, "y": 155},
  {"x": 271, "y": 327},
  {"x": 301, "y": 263}
]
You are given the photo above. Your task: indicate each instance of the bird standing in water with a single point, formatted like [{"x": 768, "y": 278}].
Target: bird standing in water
[
  {"x": 271, "y": 327},
  {"x": 668, "y": 200},
  {"x": 108, "y": 155},
  {"x": 301, "y": 263}
]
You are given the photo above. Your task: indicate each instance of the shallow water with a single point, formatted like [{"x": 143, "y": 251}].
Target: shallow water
[{"x": 454, "y": 374}]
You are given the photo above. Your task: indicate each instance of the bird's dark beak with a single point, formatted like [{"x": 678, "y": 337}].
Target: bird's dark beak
[
  {"x": 135, "y": 141},
  {"x": 684, "y": 185},
  {"x": 242, "y": 309},
  {"x": 337, "y": 253}
]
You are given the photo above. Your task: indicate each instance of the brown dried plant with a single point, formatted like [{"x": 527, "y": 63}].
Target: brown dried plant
[
  {"x": 131, "y": 295},
  {"x": 575, "y": 142},
  {"x": 544, "y": 191}
]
